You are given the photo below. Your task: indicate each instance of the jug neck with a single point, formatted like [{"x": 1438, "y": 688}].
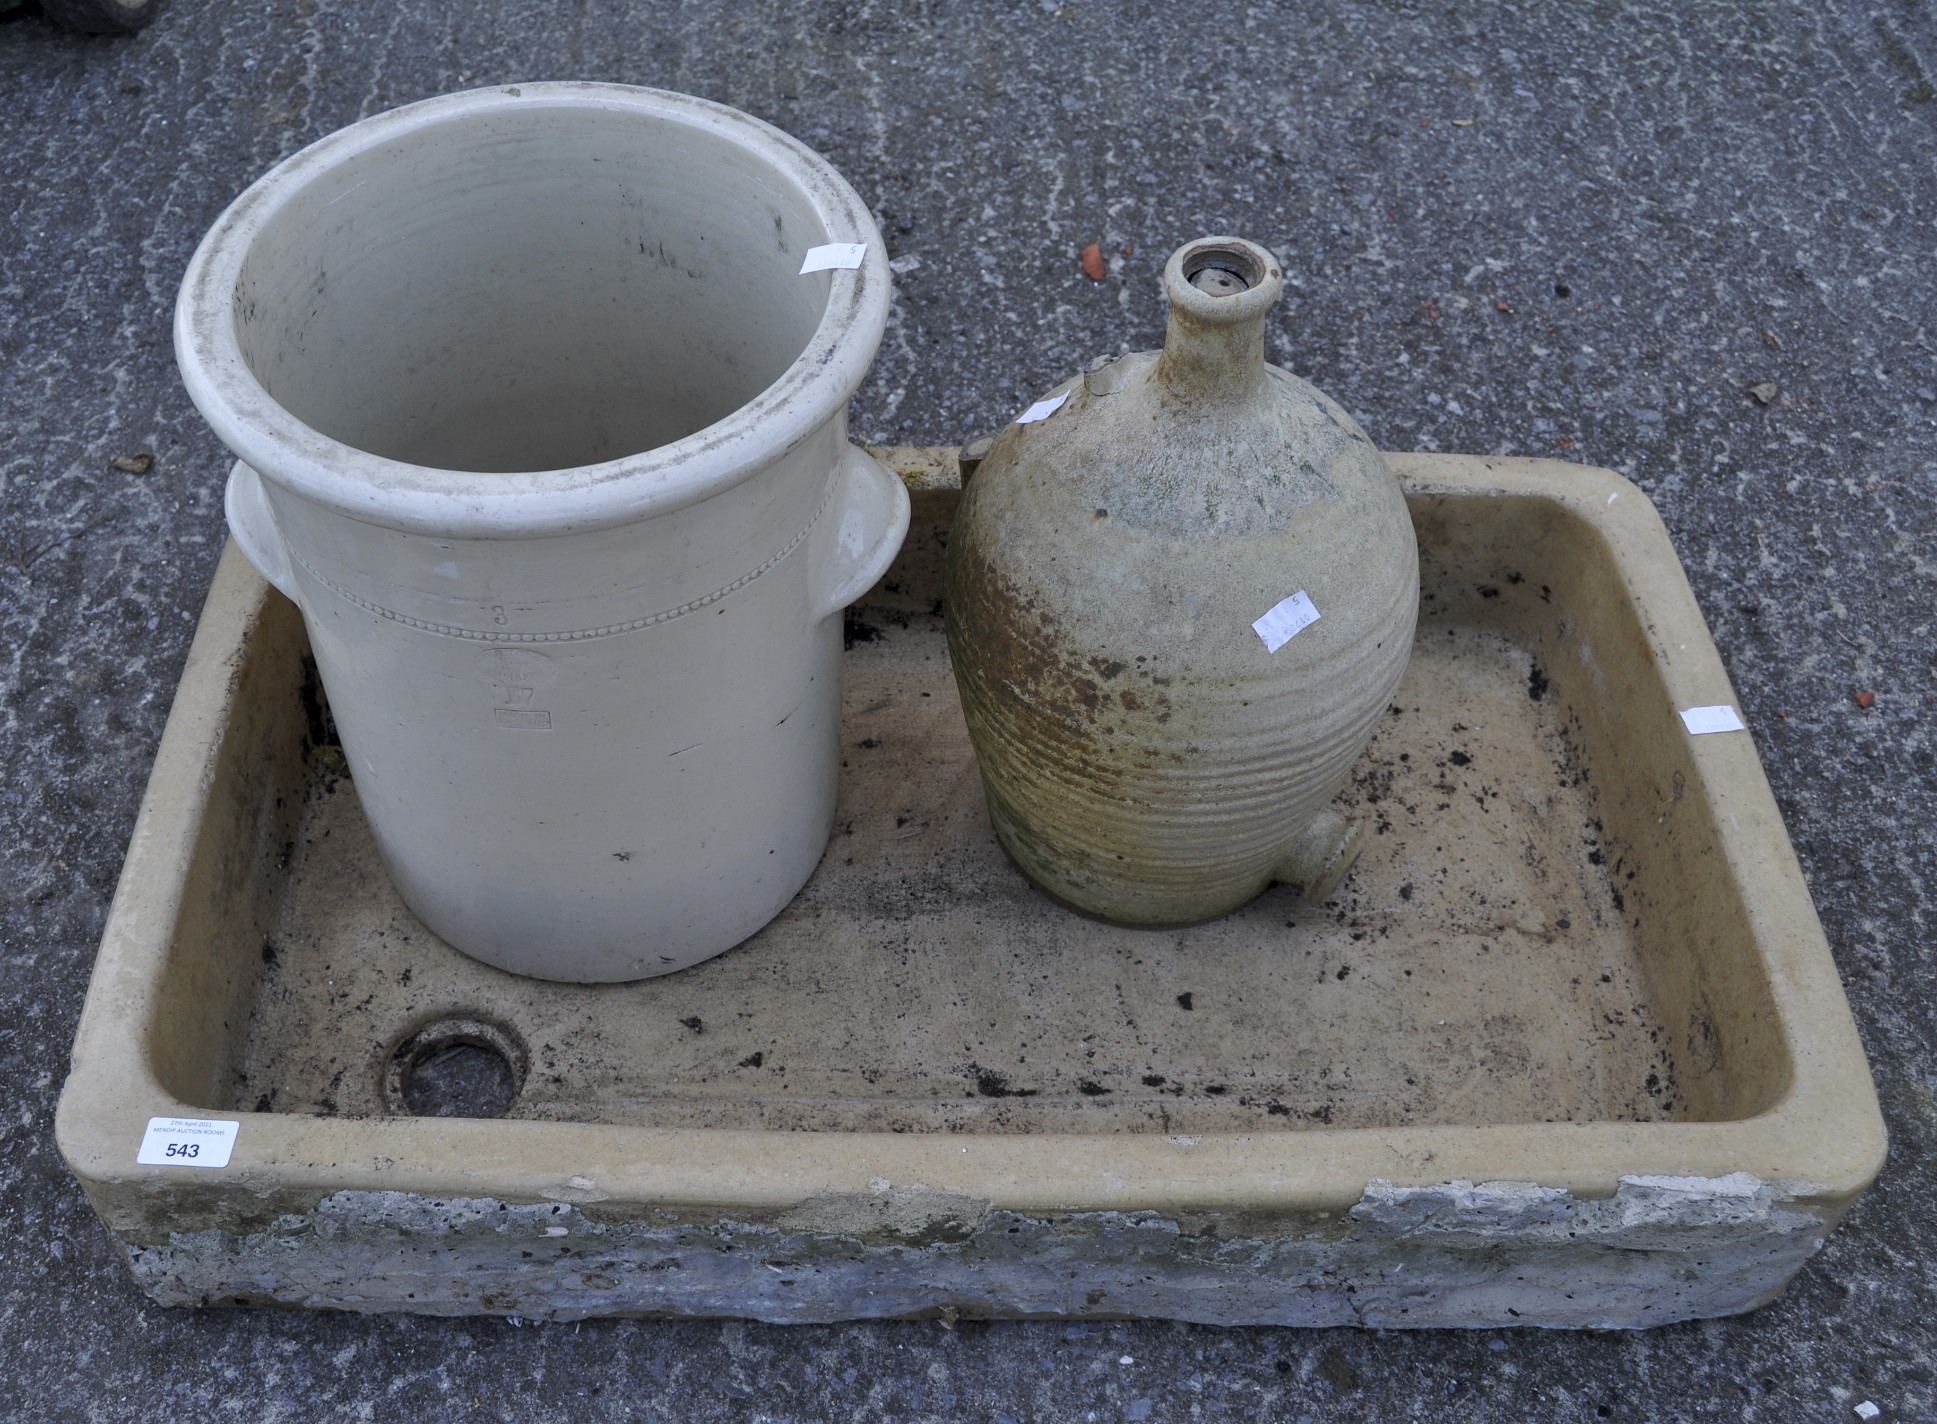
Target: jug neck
[{"x": 1220, "y": 289}]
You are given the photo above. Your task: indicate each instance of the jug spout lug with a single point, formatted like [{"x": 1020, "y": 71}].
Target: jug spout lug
[{"x": 1323, "y": 853}]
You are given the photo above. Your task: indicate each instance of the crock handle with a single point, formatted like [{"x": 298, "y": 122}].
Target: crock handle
[
  {"x": 253, "y": 525},
  {"x": 871, "y": 520}
]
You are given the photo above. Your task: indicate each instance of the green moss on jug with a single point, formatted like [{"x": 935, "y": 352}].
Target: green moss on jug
[{"x": 1150, "y": 756}]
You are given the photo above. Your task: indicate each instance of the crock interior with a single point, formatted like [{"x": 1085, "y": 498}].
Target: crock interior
[{"x": 530, "y": 288}]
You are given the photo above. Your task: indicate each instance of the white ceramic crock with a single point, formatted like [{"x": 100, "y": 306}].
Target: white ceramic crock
[{"x": 544, "y": 431}]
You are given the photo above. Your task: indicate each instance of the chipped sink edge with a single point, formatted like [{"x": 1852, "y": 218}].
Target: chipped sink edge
[{"x": 1457, "y": 1254}]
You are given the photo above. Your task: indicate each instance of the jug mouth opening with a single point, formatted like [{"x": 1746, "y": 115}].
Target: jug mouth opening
[
  {"x": 530, "y": 309},
  {"x": 1238, "y": 266},
  {"x": 1222, "y": 281}
]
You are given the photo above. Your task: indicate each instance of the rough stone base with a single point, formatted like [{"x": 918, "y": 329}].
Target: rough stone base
[{"x": 1661, "y": 1249}]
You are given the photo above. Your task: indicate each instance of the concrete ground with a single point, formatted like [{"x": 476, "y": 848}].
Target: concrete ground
[{"x": 1557, "y": 228}]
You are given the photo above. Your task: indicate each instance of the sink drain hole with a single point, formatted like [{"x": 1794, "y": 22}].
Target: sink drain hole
[{"x": 456, "y": 1067}]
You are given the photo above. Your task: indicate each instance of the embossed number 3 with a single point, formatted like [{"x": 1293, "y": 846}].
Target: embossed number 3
[{"x": 497, "y": 615}]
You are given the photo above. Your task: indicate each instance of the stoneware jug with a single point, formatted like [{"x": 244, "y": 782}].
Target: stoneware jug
[
  {"x": 1181, "y": 591},
  {"x": 543, "y": 427}
]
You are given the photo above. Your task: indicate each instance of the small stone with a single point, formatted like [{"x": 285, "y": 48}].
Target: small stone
[
  {"x": 1765, "y": 392},
  {"x": 1093, "y": 265},
  {"x": 1866, "y": 699},
  {"x": 139, "y": 464}
]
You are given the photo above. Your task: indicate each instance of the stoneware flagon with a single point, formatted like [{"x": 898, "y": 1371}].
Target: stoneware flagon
[
  {"x": 543, "y": 427},
  {"x": 1177, "y": 604}
]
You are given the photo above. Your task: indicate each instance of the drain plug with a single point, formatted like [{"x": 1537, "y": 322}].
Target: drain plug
[{"x": 456, "y": 1067}]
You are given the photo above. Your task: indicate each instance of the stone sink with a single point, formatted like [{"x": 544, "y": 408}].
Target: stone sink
[{"x": 1567, "y": 1048}]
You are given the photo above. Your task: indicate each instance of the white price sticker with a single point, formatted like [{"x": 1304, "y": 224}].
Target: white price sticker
[
  {"x": 833, "y": 256},
  {"x": 1287, "y": 619},
  {"x": 187, "y": 1142},
  {"x": 1701, "y": 720},
  {"x": 1042, "y": 409}
]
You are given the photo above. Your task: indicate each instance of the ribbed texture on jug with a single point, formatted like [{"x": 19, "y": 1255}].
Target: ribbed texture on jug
[{"x": 1134, "y": 787}]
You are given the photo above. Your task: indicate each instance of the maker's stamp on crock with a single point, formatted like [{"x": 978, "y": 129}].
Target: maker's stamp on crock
[{"x": 516, "y": 674}]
